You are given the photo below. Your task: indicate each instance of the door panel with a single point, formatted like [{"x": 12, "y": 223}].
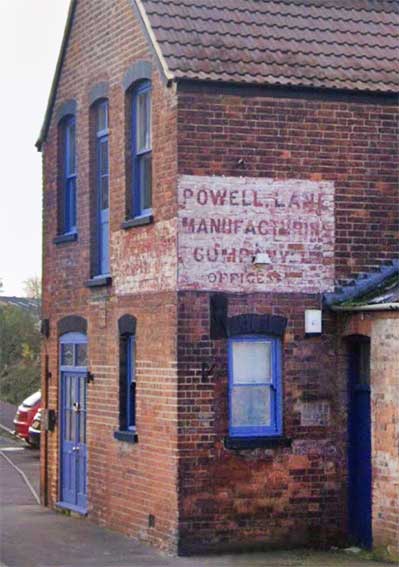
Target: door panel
[{"x": 360, "y": 444}]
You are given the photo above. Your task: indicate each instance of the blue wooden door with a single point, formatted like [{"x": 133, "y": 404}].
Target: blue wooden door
[
  {"x": 359, "y": 444},
  {"x": 73, "y": 410},
  {"x": 73, "y": 440}
]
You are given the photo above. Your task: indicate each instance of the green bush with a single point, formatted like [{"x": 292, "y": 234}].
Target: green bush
[{"x": 19, "y": 354}]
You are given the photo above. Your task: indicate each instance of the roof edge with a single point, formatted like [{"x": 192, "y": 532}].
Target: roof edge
[
  {"x": 292, "y": 91},
  {"x": 53, "y": 91},
  {"x": 158, "y": 52},
  {"x": 361, "y": 286}
]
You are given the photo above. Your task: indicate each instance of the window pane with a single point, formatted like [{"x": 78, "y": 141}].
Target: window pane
[
  {"x": 250, "y": 406},
  {"x": 148, "y": 121},
  {"x": 143, "y": 134},
  {"x": 251, "y": 362},
  {"x": 70, "y": 211},
  {"x": 102, "y": 116},
  {"x": 132, "y": 359},
  {"x": 146, "y": 181},
  {"x": 104, "y": 156},
  {"x": 71, "y": 148},
  {"x": 131, "y": 383},
  {"x": 81, "y": 355},
  {"x": 67, "y": 354},
  {"x": 104, "y": 193}
]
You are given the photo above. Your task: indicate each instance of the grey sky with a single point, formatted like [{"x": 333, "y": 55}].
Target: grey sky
[{"x": 30, "y": 38}]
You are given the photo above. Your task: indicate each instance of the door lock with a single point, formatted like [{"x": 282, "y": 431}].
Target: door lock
[
  {"x": 76, "y": 406},
  {"x": 75, "y": 448}
]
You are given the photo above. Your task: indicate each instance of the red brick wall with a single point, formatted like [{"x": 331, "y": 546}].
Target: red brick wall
[
  {"x": 351, "y": 142},
  {"x": 225, "y": 497},
  {"x": 126, "y": 482},
  {"x": 385, "y": 428},
  {"x": 383, "y": 330},
  {"x": 297, "y": 494},
  {"x": 275, "y": 496}
]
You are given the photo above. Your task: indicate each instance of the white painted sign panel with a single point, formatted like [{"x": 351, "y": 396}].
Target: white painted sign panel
[{"x": 228, "y": 224}]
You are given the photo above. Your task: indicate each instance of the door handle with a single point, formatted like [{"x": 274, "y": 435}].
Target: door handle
[
  {"x": 76, "y": 406},
  {"x": 75, "y": 448}
]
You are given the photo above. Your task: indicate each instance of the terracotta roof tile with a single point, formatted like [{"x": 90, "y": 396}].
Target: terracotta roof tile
[{"x": 340, "y": 44}]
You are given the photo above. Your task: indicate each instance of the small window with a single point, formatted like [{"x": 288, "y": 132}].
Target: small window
[
  {"x": 127, "y": 410},
  {"x": 73, "y": 350},
  {"x": 255, "y": 386},
  {"x": 141, "y": 179},
  {"x": 68, "y": 165}
]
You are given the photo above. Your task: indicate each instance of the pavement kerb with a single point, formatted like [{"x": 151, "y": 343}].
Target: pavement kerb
[
  {"x": 11, "y": 432},
  {"x": 21, "y": 472}
]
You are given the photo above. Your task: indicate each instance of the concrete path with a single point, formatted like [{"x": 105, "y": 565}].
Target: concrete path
[{"x": 32, "y": 536}]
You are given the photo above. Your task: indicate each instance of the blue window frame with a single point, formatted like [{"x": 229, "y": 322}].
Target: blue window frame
[
  {"x": 73, "y": 351},
  {"x": 255, "y": 389},
  {"x": 69, "y": 175},
  {"x": 102, "y": 185},
  {"x": 127, "y": 384},
  {"x": 141, "y": 189}
]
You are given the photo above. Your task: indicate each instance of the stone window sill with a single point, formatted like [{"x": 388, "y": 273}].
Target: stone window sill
[
  {"x": 127, "y": 436},
  {"x": 138, "y": 221},
  {"x": 256, "y": 442},
  {"x": 62, "y": 238},
  {"x": 99, "y": 281}
]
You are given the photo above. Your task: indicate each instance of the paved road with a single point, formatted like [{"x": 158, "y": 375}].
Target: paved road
[
  {"x": 7, "y": 414},
  {"x": 33, "y": 536}
]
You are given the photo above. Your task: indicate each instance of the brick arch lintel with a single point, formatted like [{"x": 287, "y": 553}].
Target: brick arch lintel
[
  {"x": 98, "y": 91},
  {"x": 254, "y": 324},
  {"x": 72, "y": 324},
  {"x": 66, "y": 108},
  {"x": 137, "y": 72},
  {"x": 127, "y": 325}
]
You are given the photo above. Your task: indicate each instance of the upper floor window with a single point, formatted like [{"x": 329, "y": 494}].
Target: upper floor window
[
  {"x": 141, "y": 178},
  {"x": 102, "y": 187},
  {"x": 68, "y": 165},
  {"x": 255, "y": 394}
]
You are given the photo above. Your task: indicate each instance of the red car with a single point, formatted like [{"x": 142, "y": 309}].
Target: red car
[{"x": 25, "y": 414}]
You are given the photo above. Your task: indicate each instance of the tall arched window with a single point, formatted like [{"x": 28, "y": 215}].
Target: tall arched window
[
  {"x": 102, "y": 186},
  {"x": 141, "y": 150},
  {"x": 68, "y": 175}
]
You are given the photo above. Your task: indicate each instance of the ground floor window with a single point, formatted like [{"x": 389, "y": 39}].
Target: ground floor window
[
  {"x": 127, "y": 375},
  {"x": 255, "y": 400}
]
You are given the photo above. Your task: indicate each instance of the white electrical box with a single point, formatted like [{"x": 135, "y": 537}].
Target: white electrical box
[{"x": 313, "y": 321}]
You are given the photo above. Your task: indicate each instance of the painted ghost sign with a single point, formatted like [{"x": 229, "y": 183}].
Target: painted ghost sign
[{"x": 225, "y": 222}]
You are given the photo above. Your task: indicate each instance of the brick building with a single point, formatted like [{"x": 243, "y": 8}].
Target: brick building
[{"x": 206, "y": 183}]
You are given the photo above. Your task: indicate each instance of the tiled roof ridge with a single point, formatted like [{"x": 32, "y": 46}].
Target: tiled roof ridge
[
  {"x": 297, "y": 3},
  {"x": 362, "y": 285}
]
